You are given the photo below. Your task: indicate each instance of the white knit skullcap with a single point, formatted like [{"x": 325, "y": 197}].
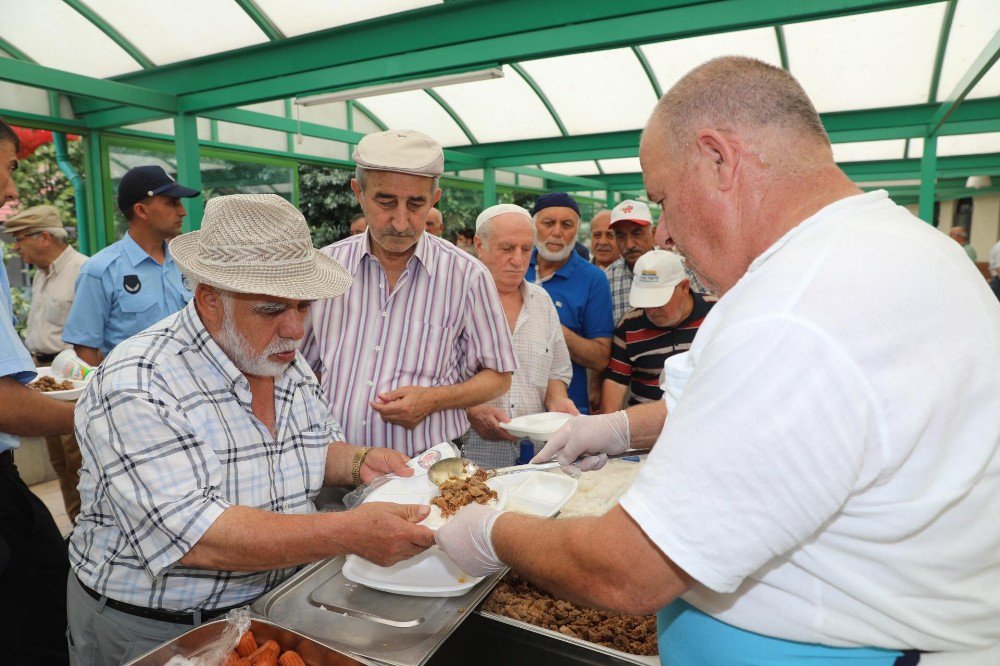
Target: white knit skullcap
[{"x": 499, "y": 209}]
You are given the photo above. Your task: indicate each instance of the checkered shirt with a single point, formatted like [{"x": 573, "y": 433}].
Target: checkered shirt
[
  {"x": 541, "y": 355},
  {"x": 169, "y": 442},
  {"x": 620, "y": 278}
]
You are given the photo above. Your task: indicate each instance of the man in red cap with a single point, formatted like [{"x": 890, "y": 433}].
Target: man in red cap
[{"x": 633, "y": 228}]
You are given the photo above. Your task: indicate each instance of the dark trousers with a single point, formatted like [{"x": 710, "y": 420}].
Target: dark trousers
[{"x": 33, "y": 567}]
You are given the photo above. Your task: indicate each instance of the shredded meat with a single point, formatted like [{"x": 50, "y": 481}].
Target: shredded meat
[
  {"x": 515, "y": 597},
  {"x": 456, "y": 493},
  {"x": 46, "y": 384}
]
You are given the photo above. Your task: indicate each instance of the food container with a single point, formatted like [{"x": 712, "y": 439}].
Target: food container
[{"x": 312, "y": 652}]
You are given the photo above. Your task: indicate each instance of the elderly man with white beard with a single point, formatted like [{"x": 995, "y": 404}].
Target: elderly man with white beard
[
  {"x": 206, "y": 440},
  {"x": 579, "y": 290}
]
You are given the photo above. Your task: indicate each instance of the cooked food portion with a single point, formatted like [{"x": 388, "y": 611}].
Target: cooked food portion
[
  {"x": 46, "y": 383},
  {"x": 268, "y": 653},
  {"x": 456, "y": 493},
  {"x": 516, "y": 598}
]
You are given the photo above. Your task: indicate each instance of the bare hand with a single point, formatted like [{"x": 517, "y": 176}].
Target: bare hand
[
  {"x": 385, "y": 533},
  {"x": 384, "y": 461},
  {"x": 407, "y": 406},
  {"x": 564, "y": 405},
  {"x": 486, "y": 421}
]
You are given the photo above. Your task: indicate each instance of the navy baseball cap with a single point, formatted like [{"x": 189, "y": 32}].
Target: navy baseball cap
[
  {"x": 555, "y": 200},
  {"x": 142, "y": 182}
]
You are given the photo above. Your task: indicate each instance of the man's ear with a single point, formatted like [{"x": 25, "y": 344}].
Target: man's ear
[
  {"x": 357, "y": 190},
  {"x": 720, "y": 152},
  {"x": 210, "y": 306}
]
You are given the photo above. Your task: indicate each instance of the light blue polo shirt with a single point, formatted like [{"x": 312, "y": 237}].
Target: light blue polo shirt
[
  {"x": 121, "y": 291},
  {"x": 15, "y": 361},
  {"x": 582, "y": 298}
]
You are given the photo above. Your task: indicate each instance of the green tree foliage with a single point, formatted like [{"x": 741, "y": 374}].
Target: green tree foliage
[
  {"x": 327, "y": 202},
  {"x": 39, "y": 180}
]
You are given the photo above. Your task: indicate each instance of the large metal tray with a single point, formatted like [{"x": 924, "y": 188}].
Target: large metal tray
[
  {"x": 388, "y": 628},
  {"x": 313, "y": 653}
]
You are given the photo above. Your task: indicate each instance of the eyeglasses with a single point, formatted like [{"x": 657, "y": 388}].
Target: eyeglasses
[{"x": 34, "y": 233}]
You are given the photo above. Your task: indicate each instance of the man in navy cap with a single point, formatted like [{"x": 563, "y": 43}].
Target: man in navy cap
[
  {"x": 133, "y": 283},
  {"x": 579, "y": 289}
]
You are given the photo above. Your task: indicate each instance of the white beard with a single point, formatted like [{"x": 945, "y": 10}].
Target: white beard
[
  {"x": 236, "y": 347},
  {"x": 548, "y": 255}
]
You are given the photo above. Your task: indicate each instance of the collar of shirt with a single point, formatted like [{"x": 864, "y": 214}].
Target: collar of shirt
[
  {"x": 136, "y": 255},
  {"x": 425, "y": 254},
  {"x": 59, "y": 262},
  {"x": 566, "y": 270}
]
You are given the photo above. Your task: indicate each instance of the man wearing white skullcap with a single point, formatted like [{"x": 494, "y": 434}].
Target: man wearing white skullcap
[
  {"x": 420, "y": 336},
  {"x": 504, "y": 240}
]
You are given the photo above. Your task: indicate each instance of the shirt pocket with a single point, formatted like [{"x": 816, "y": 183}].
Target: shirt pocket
[
  {"x": 137, "y": 304},
  {"x": 430, "y": 354},
  {"x": 57, "y": 311},
  {"x": 537, "y": 367}
]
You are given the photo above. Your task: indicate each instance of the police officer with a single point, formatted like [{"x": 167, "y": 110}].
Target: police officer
[{"x": 133, "y": 283}]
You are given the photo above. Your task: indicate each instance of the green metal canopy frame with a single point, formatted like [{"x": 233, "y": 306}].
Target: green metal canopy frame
[{"x": 466, "y": 35}]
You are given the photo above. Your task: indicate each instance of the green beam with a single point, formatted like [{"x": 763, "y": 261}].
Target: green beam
[
  {"x": 51, "y": 122},
  {"x": 14, "y": 52},
  {"x": 97, "y": 203},
  {"x": 289, "y": 136},
  {"x": 650, "y": 74},
  {"x": 580, "y": 183},
  {"x": 489, "y": 187},
  {"x": 454, "y": 115},
  {"x": 262, "y": 20},
  {"x": 942, "y": 48},
  {"x": 371, "y": 116},
  {"x": 475, "y": 34},
  {"x": 111, "y": 32},
  {"x": 779, "y": 35},
  {"x": 38, "y": 76},
  {"x": 541, "y": 96},
  {"x": 928, "y": 168},
  {"x": 986, "y": 58},
  {"x": 189, "y": 167}
]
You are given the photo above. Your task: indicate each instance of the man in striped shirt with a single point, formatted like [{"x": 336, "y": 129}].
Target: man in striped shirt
[
  {"x": 664, "y": 320},
  {"x": 420, "y": 336}
]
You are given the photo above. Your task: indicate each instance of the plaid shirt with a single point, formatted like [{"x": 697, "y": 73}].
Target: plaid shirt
[
  {"x": 541, "y": 355},
  {"x": 169, "y": 441},
  {"x": 620, "y": 278}
]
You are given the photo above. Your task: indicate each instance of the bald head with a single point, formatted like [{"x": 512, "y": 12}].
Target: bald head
[{"x": 435, "y": 222}]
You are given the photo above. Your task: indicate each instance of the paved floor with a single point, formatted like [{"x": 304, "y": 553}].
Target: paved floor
[{"x": 49, "y": 493}]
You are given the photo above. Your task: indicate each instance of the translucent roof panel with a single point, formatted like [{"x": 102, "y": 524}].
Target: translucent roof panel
[
  {"x": 973, "y": 26},
  {"x": 162, "y": 38},
  {"x": 866, "y": 60},
  {"x": 960, "y": 144},
  {"x": 585, "y": 168},
  {"x": 302, "y": 16},
  {"x": 500, "y": 109},
  {"x": 602, "y": 91},
  {"x": 862, "y": 151},
  {"x": 53, "y": 34},
  {"x": 620, "y": 165},
  {"x": 672, "y": 60},
  {"x": 415, "y": 109}
]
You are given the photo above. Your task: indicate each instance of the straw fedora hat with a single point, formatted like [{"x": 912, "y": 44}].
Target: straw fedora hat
[{"x": 258, "y": 244}]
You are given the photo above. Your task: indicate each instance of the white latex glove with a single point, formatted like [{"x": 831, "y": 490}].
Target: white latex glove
[
  {"x": 585, "y": 442},
  {"x": 467, "y": 538}
]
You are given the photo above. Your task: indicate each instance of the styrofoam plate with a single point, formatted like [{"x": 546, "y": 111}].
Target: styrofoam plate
[
  {"x": 536, "y": 426},
  {"x": 68, "y": 395}
]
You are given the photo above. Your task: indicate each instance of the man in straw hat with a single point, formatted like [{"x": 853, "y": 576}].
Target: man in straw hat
[
  {"x": 421, "y": 335},
  {"x": 205, "y": 441},
  {"x": 824, "y": 489}
]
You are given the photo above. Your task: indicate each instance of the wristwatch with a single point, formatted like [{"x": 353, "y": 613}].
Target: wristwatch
[{"x": 359, "y": 460}]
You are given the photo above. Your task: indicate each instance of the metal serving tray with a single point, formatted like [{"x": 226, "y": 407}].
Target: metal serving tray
[
  {"x": 388, "y": 628},
  {"x": 313, "y": 653}
]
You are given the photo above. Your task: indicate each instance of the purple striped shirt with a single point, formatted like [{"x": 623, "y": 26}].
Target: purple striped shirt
[{"x": 442, "y": 323}]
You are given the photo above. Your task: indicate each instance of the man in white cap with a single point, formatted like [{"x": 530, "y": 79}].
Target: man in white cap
[
  {"x": 664, "y": 321},
  {"x": 633, "y": 228},
  {"x": 205, "y": 442},
  {"x": 504, "y": 241},
  {"x": 420, "y": 336},
  {"x": 40, "y": 239}
]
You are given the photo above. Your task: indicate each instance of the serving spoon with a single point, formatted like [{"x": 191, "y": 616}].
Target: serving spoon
[{"x": 463, "y": 468}]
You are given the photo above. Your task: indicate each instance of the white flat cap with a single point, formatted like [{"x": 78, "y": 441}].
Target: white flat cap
[{"x": 402, "y": 151}]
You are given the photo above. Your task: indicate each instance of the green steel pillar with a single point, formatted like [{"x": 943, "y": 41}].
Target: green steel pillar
[
  {"x": 610, "y": 201},
  {"x": 189, "y": 166},
  {"x": 97, "y": 229},
  {"x": 489, "y": 187},
  {"x": 928, "y": 173}
]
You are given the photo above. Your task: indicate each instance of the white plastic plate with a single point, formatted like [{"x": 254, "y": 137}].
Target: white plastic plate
[
  {"x": 536, "y": 426},
  {"x": 68, "y": 395}
]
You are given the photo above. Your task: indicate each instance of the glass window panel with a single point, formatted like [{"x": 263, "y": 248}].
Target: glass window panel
[
  {"x": 274, "y": 107},
  {"x": 187, "y": 29},
  {"x": 861, "y": 151},
  {"x": 471, "y": 174},
  {"x": 960, "y": 144},
  {"x": 621, "y": 165},
  {"x": 531, "y": 181},
  {"x": 302, "y": 16},
  {"x": 866, "y": 60},
  {"x": 500, "y": 109},
  {"x": 55, "y": 35},
  {"x": 672, "y": 60},
  {"x": 22, "y": 98},
  {"x": 972, "y": 27},
  {"x": 310, "y": 145},
  {"x": 364, "y": 124},
  {"x": 333, "y": 114},
  {"x": 164, "y": 126},
  {"x": 415, "y": 109},
  {"x": 505, "y": 177},
  {"x": 585, "y": 168},
  {"x": 603, "y": 91},
  {"x": 245, "y": 135}
]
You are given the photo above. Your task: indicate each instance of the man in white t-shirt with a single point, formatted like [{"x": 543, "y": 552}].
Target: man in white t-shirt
[{"x": 825, "y": 486}]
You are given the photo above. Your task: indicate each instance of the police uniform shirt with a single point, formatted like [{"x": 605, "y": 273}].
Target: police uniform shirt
[{"x": 121, "y": 291}]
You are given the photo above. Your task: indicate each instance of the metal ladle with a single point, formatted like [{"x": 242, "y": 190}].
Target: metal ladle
[{"x": 463, "y": 468}]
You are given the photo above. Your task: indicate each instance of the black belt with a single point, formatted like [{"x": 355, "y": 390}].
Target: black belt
[{"x": 156, "y": 613}]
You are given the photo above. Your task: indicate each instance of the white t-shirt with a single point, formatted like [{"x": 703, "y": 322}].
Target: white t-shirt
[
  {"x": 995, "y": 259},
  {"x": 829, "y": 469}
]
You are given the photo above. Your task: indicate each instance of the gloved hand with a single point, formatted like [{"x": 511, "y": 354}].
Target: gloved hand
[
  {"x": 585, "y": 442},
  {"x": 467, "y": 538}
]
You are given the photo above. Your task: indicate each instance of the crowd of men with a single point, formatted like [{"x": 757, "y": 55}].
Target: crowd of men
[{"x": 797, "y": 490}]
